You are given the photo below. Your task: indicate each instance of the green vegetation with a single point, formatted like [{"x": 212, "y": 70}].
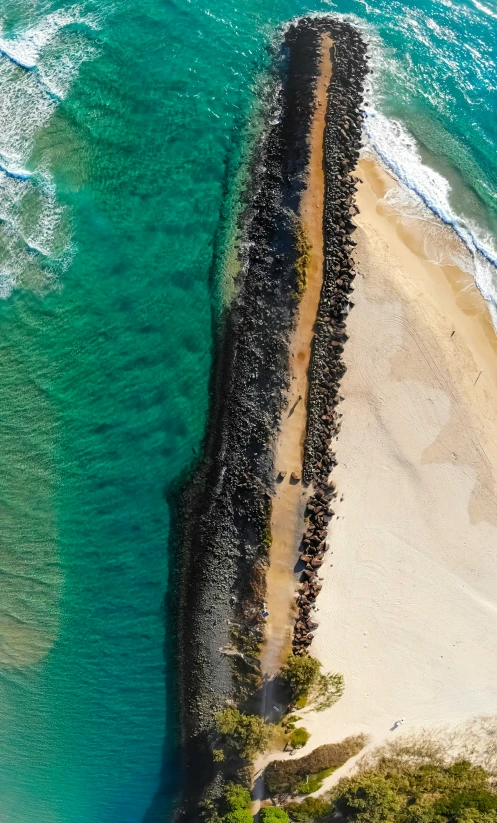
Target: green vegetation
[
  {"x": 299, "y": 738},
  {"x": 307, "y": 684},
  {"x": 272, "y": 814},
  {"x": 245, "y": 734},
  {"x": 300, "y": 673},
  {"x": 303, "y": 259},
  {"x": 233, "y": 807},
  {"x": 312, "y": 782},
  {"x": 311, "y": 809},
  {"x": 236, "y": 796},
  {"x": 217, "y": 755},
  {"x": 408, "y": 783},
  {"x": 430, "y": 793},
  {"x": 327, "y": 690},
  {"x": 238, "y": 816},
  {"x": 305, "y": 774}
]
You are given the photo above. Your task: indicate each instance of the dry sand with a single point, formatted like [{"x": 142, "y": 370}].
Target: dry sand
[{"x": 408, "y": 611}]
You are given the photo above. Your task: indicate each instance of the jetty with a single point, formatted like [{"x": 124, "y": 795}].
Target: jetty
[{"x": 274, "y": 389}]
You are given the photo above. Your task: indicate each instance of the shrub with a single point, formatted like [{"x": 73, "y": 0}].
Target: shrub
[
  {"x": 312, "y": 782},
  {"x": 310, "y": 810},
  {"x": 302, "y": 674},
  {"x": 370, "y": 800},
  {"x": 209, "y": 812},
  {"x": 238, "y": 816},
  {"x": 236, "y": 797},
  {"x": 299, "y": 737},
  {"x": 272, "y": 814},
  {"x": 327, "y": 690},
  {"x": 286, "y": 776},
  {"x": 431, "y": 793},
  {"x": 247, "y": 734}
]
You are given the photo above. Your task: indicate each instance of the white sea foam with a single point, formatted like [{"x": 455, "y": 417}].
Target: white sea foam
[
  {"x": 24, "y": 48},
  {"x": 37, "y": 68},
  {"x": 485, "y": 9},
  {"x": 425, "y": 192}
]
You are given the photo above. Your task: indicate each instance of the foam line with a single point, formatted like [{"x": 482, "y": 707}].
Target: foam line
[
  {"x": 16, "y": 60},
  {"x": 383, "y": 137},
  {"x": 467, "y": 236},
  {"x": 17, "y": 174}
]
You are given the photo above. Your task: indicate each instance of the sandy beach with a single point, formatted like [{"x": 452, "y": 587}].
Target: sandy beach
[
  {"x": 408, "y": 610},
  {"x": 408, "y": 607}
]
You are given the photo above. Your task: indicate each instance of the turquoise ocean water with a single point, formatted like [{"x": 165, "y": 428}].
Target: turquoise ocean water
[{"x": 122, "y": 127}]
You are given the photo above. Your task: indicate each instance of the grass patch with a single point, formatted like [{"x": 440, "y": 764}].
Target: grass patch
[
  {"x": 299, "y": 738},
  {"x": 289, "y": 776},
  {"x": 311, "y": 809},
  {"x": 313, "y": 782}
]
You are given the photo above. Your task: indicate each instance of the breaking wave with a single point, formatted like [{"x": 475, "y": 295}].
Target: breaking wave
[
  {"x": 397, "y": 150},
  {"x": 37, "y": 68}
]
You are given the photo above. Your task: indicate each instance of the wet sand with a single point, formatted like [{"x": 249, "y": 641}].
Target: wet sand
[{"x": 288, "y": 505}]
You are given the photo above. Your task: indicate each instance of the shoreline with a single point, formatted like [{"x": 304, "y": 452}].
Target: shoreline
[
  {"x": 390, "y": 413},
  {"x": 224, "y": 514}
]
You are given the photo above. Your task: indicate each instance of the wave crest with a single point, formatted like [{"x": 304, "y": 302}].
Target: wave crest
[
  {"x": 394, "y": 147},
  {"x": 37, "y": 68}
]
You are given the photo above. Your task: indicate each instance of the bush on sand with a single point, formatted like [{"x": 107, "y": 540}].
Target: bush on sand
[
  {"x": 299, "y": 775},
  {"x": 308, "y": 684},
  {"x": 246, "y": 734}
]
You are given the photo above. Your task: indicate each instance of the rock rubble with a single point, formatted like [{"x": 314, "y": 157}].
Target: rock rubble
[{"x": 342, "y": 141}]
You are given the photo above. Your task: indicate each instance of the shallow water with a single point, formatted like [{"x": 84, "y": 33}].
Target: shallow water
[{"x": 122, "y": 126}]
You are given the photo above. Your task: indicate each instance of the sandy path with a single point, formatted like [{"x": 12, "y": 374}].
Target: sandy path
[
  {"x": 289, "y": 501},
  {"x": 408, "y": 612}
]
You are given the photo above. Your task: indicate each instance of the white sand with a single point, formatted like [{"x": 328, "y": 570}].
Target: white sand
[{"x": 408, "y": 612}]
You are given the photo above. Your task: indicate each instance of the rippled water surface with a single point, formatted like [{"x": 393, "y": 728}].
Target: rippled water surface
[{"x": 122, "y": 128}]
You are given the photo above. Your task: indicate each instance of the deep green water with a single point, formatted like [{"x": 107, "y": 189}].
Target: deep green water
[{"x": 130, "y": 118}]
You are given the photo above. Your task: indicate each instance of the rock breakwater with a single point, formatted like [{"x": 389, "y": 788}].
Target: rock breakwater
[
  {"x": 224, "y": 510},
  {"x": 342, "y": 140}
]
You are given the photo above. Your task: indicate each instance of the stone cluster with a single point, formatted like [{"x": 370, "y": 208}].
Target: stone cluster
[
  {"x": 341, "y": 151},
  {"x": 222, "y": 513},
  {"x": 224, "y": 509},
  {"x": 313, "y": 548}
]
